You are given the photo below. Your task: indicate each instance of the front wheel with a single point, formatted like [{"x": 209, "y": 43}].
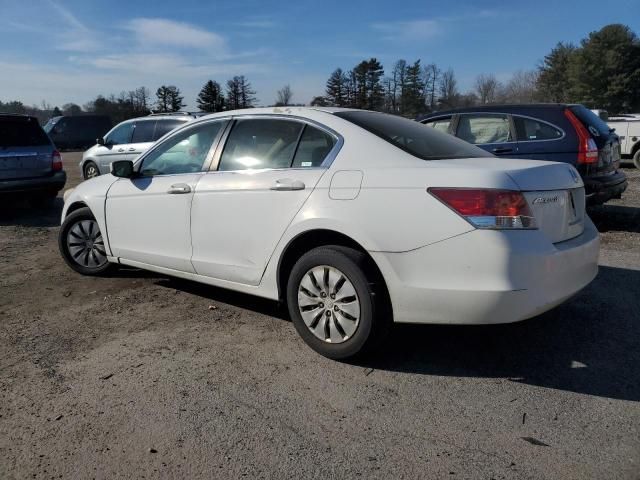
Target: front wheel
[
  {"x": 90, "y": 170},
  {"x": 636, "y": 159},
  {"x": 81, "y": 243},
  {"x": 332, "y": 302}
]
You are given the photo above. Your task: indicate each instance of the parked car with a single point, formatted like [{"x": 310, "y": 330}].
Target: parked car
[
  {"x": 562, "y": 133},
  {"x": 127, "y": 140},
  {"x": 628, "y": 129},
  {"x": 30, "y": 165},
  {"x": 77, "y": 132},
  {"x": 352, "y": 218}
]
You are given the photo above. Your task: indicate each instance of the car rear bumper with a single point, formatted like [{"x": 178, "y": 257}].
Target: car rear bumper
[
  {"x": 487, "y": 277},
  {"x": 601, "y": 189},
  {"x": 51, "y": 183}
]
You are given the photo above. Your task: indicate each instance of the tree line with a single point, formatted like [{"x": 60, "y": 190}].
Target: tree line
[{"x": 603, "y": 71}]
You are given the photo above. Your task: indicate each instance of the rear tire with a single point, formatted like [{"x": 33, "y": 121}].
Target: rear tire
[
  {"x": 636, "y": 159},
  {"x": 334, "y": 304},
  {"x": 90, "y": 170},
  {"x": 81, "y": 243}
]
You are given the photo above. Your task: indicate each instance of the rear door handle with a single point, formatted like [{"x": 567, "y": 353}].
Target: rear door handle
[
  {"x": 287, "y": 185},
  {"x": 132, "y": 149},
  {"x": 502, "y": 150},
  {"x": 179, "y": 188},
  {"x": 121, "y": 149}
]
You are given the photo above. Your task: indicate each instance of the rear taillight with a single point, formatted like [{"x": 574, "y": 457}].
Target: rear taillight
[
  {"x": 56, "y": 161},
  {"x": 486, "y": 208},
  {"x": 587, "y": 148}
]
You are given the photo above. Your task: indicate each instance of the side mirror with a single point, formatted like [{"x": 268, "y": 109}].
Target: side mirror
[
  {"x": 122, "y": 169},
  {"x": 100, "y": 141}
]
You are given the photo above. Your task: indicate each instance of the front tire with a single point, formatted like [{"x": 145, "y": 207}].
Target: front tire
[
  {"x": 636, "y": 159},
  {"x": 90, "y": 170},
  {"x": 81, "y": 243},
  {"x": 333, "y": 304}
]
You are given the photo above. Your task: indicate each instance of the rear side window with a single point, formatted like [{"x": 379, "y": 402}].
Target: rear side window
[
  {"x": 143, "y": 131},
  {"x": 441, "y": 124},
  {"x": 22, "y": 132},
  {"x": 260, "y": 144},
  {"x": 483, "y": 129},
  {"x": 529, "y": 129},
  {"x": 165, "y": 126},
  {"x": 314, "y": 147},
  {"x": 415, "y": 138}
]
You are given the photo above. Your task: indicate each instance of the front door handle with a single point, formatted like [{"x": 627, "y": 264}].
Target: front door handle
[
  {"x": 132, "y": 149},
  {"x": 179, "y": 188},
  {"x": 287, "y": 185},
  {"x": 502, "y": 150},
  {"x": 121, "y": 149}
]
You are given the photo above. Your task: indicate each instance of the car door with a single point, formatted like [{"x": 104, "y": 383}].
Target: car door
[
  {"x": 114, "y": 147},
  {"x": 490, "y": 131},
  {"x": 148, "y": 217},
  {"x": 141, "y": 139},
  {"x": 541, "y": 140},
  {"x": 268, "y": 168}
]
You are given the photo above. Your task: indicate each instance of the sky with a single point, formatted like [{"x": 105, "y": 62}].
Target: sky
[{"x": 63, "y": 51}]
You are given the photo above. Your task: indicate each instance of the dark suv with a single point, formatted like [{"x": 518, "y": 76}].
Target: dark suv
[
  {"x": 556, "y": 132},
  {"x": 30, "y": 165}
]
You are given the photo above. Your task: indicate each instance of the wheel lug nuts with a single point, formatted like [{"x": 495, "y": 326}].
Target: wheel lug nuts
[
  {"x": 335, "y": 308},
  {"x": 323, "y": 295},
  {"x": 328, "y": 313},
  {"x": 333, "y": 295},
  {"x": 321, "y": 305}
]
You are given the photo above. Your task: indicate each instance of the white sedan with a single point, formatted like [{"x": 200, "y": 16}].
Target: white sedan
[{"x": 355, "y": 219}]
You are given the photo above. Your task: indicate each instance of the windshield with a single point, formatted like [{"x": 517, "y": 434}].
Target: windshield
[
  {"x": 415, "y": 138},
  {"x": 22, "y": 132}
]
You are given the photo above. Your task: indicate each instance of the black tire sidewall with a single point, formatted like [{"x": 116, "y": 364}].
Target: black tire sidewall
[
  {"x": 636, "y": 159},
  {"x": 350, "y": 265},
  {"x": 72, "y": 219},
  {"x": 86, "y": 167}
]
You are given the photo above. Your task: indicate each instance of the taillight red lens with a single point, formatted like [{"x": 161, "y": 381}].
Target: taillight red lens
[
  {"x": 486, "y": 208},
  {"x": 587, "y": 148},
  {"x": 56, "y": 161}
]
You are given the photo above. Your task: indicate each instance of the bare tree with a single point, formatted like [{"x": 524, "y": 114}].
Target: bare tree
[
  {"x": 522, "y": 88},
  {"x": 487, "y": 87},
  {"x": 448, "y": 89},
  {"x": 284, "y": 96}
]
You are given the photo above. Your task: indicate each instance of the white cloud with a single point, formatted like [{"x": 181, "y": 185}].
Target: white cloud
[
  {"x": 412, "y": 30},
  {"x": 160, "y": 31}
]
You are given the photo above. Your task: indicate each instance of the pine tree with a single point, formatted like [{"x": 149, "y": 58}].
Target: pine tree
[
  {"x": 336, "y": 91},
  {"x": 412, "y": 99},
  {"x": 240, "y": 93},
  {"x": 210, "y": 98},
  {"x": 169, "y": 99},
  {"x": 553, "y": 82}
]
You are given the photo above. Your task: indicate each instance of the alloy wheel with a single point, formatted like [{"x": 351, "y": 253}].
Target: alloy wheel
[
  {"x": 91, "y": 171},
  {"x": 329, "y": 304},
  {"x": 86, "y": 245}
]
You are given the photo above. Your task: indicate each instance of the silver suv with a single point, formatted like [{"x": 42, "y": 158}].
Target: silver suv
[
  {"x": 30, "y": 165},
  {"x": 129, "y": 139}
]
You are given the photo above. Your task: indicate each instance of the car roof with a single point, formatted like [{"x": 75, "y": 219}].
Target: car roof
[
  {"x": 508, "y": 107},
  {"x": 10, "y": 116}
]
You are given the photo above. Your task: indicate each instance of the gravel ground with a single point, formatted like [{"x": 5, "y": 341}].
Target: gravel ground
[{"x": 139, "y": 375}]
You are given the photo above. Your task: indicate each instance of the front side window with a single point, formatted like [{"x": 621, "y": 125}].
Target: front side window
[
  {"x": 120, "y": 135},
  {"x": 143, "y": 132},
  {"x": 314, "y": 147},
  {"x": 185, "y": 152},
  {"x": 482, "y": 129},
  {"x": 260, "y": 143},
  {"x": 413, "y": 137},
  {"x": 528, "y": 129}
]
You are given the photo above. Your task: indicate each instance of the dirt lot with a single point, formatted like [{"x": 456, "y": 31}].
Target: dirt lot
[{"x": 139, "y": 375}]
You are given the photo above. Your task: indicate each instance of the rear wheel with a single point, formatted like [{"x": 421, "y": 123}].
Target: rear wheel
[
  {"x": 81, "y": 243},
  {"x": 90, "y": 170},
  {"x": 332, "y": 302},
  {"x": 636, "y": 159}
]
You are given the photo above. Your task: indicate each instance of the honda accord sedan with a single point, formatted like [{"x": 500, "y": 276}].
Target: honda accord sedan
[{"x": 354, "y": 219}]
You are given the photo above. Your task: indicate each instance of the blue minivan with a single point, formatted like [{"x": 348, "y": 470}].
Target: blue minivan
[{"x": 557, "y": 132}]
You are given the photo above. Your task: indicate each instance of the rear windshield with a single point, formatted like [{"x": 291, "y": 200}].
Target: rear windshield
[
  {"x": 22, "y": 132},
  {"x": 592, "y": 121},
  {"x": 415, "y": 138}
]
